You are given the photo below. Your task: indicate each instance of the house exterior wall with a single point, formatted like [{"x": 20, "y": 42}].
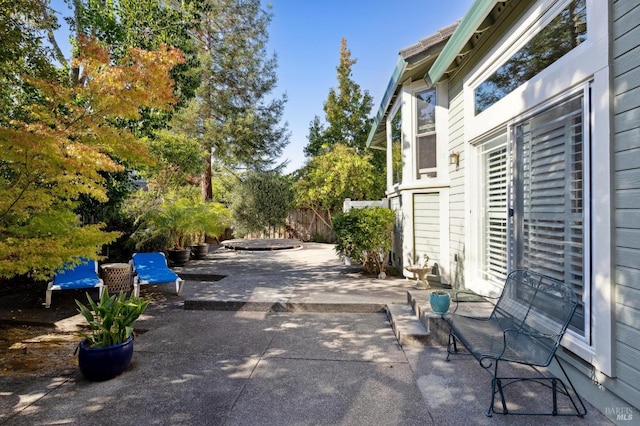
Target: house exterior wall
[
  {"x": 626, "y": 148},
  {"x": 457, "y": 199},
  {"x": 604, "y": 73},
  {"x": 609, "y": 372},
  {"x": 426, "y": 225},
  {"x": 421, "y": 204}
]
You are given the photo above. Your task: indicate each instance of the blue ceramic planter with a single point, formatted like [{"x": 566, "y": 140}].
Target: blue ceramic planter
[
  {"x": 98, "y": 364},
  {"x": 439, "y": 302}
]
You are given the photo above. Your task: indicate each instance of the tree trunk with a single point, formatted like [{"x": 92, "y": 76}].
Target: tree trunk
[{"x": 205, "y": 184}]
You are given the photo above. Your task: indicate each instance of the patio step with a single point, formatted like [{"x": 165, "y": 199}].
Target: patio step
[
  {"x": 280, "y": 306},
  {"x": 415, "y": 323},
  {"x": 434, "y": 324},
  {"x": 406, "y": 325}
]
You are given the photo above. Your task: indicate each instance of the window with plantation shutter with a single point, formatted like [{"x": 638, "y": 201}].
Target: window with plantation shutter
[
  {"x": 548, "y": 230},
  {"x": 493, "y": 256}
]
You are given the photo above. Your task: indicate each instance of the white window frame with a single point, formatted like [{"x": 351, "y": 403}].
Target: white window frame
[
  {"x": 391, "y": 185},
  {"x": 587, "y": 63},
  {"x": 483, "y": 285},
  {"x": 588, "y": 218},
  {"x": 422, "y": 173}
]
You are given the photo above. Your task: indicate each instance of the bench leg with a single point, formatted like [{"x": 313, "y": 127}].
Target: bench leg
[
  {"x": 452, "y": 342},
  {"x": 554, "y": 390},
  {"x": 48, "y": 294},
  {"x": 555, "y": 384},
  {"x": 496, "y": 383},
  {"x": 567, "y": 391}
]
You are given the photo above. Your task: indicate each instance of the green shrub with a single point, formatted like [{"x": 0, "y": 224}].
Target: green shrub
[
  {"x": 365, "y": 235},
  {"x": 260, "y": 202}
]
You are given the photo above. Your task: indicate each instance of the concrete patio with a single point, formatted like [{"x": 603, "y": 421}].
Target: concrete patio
[{"x": 284, "y": 337}]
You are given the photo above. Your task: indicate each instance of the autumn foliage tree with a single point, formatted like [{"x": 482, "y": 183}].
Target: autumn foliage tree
[{"x": 57, "y": 142}]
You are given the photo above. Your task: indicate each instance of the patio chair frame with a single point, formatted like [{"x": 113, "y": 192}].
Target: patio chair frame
[
  {"x": 141, "y": 280},
  {"x": 57, "y": 283}
]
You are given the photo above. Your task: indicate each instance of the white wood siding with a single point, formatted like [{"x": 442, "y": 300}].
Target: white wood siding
[
  {"x": 626, "y": 148},
  {"x": 426, "y": 226},
  {"x": 457, "y": 191}
]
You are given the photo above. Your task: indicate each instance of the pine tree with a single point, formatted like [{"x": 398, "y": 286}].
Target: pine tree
[
  {"x": 233, "y": 114},
  {"x": 346, "y": 111}
]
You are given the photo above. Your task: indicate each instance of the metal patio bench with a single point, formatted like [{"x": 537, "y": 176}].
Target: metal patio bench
[{"x": 525, "y": 327}]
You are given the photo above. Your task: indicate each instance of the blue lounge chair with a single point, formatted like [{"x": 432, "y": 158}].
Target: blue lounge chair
[
  {"x": 83, "y": 275},
  {"x": 151, "y": 268}
]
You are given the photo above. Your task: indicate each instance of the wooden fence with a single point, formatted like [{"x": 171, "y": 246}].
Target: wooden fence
[{"x": 305, "y": 225}]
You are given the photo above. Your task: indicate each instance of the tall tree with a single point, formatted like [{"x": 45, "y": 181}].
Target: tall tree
[
  {"x": 121, "y": 25},
  {"x": 145, "y": 24},
  {"x": 346, "y": 111},
  {"x": 22, "y": 24},
  {"x": 233, "y": 113},
  {"x": 347, "y": 119}
]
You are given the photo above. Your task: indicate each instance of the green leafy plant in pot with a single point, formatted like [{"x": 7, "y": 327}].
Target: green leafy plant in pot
[
  {"x": 209, "y": 218},
  {"x": 170, "y": 218},
  {"x": 107, "y": 351},
  {"x": 175, "y": 217}
]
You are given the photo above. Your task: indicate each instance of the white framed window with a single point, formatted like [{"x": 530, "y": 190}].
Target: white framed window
[
  {"x": 533, "y": 197},
  {"x": 492, "y": 198},
  {"x": 549, "y": 228},
  {"x": 395, "y": 124},
  {"x": 426, "y": 146},
  {"x": 563, "y": 33}
]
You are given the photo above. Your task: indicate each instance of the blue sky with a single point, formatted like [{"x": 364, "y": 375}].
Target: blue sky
[{"x": 306, "y": 34}]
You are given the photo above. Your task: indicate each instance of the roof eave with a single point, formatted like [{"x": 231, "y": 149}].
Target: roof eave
[
  {"x": 478, "y": 12},
  {"x": 386, "y": 101},
  {"x": 409, "y": 59}
]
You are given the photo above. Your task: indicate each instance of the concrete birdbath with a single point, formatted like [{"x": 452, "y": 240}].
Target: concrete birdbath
[{"x": 421, "y": 270}]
